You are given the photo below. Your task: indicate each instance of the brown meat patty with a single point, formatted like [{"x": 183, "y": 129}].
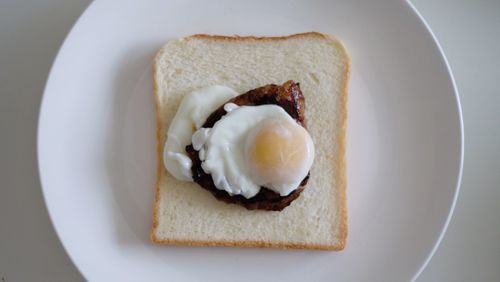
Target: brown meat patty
[{"x": 290, "y": 98}]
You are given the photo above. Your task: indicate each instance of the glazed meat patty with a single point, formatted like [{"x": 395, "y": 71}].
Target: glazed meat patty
[{"x": 290, "y": 98}]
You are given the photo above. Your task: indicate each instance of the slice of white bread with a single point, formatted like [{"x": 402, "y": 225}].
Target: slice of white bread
[{"x": 186, "y": 214}]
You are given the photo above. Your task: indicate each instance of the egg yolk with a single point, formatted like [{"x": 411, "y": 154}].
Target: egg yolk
[{"x": 278, "y": 150}]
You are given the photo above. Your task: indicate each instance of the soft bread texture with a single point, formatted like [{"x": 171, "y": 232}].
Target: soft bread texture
[{"x": 185, "y": 214}]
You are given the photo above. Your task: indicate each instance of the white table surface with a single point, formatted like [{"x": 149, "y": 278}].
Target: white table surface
[{"x": 31, "y": 32}]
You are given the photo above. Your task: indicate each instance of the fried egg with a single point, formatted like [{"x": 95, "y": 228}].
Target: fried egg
[{"x": 254, "y": 146}]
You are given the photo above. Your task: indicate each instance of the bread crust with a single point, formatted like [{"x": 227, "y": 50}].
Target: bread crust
[
  {"x": 246, "y": 244},
  {"x": 342, "y": 151},
  {"x": 341, "y": 155}
]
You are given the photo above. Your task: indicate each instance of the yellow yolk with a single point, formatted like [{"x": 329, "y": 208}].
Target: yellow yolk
[{"x": 278, "y": 150}]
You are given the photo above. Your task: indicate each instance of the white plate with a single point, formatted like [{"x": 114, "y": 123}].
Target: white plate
[{"x": 97, "y": 141}]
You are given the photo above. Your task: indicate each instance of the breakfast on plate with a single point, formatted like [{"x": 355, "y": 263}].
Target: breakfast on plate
[{"x": 251, "y": 141}]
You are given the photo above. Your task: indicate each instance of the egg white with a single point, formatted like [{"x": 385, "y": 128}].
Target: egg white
[
  {"x": 191, "y": 114},
  {"x": 222, "y": 150}
]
